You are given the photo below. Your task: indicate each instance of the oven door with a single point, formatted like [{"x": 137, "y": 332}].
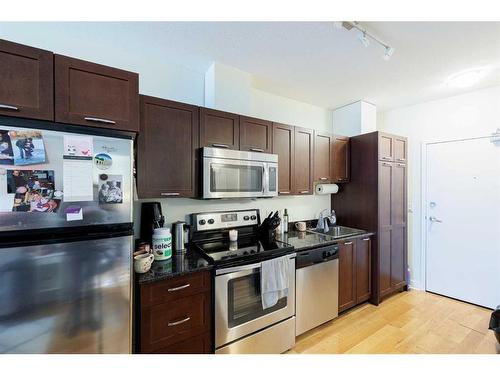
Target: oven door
[
  {"x": 238, "y": 303},
  {"x": 231, "y": 178}
]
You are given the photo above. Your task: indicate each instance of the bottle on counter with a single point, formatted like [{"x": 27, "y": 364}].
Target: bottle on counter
[
  {"x": 162, "y": 243},
  {"x": 285, "y": 221}
]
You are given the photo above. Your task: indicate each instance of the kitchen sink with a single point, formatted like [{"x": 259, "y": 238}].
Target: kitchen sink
[{"x": 337, "y": 231}]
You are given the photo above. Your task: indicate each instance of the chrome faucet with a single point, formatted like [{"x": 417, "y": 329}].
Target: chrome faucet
[{"x": 323, "y": 220}]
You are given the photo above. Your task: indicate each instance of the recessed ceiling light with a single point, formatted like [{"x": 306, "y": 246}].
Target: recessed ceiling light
[{"x": 466, "y": 78}]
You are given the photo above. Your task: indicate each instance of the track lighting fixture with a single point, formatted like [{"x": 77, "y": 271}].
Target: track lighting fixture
[{"x": 365, "y": 36}]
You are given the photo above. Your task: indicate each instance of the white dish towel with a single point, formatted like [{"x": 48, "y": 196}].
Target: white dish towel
[{"x": 273, "y": 281}]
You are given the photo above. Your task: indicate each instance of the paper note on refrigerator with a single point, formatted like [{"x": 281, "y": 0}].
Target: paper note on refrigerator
[{"x": 77, "y": 180}]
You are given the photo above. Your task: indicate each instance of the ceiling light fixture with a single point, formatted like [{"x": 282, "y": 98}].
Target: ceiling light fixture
[
  {"x": 466, "y": 78},
  {"x": 365, "y": 36}
]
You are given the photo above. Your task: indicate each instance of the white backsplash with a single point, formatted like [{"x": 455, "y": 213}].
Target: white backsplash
[{"x": 299, "y": 207}]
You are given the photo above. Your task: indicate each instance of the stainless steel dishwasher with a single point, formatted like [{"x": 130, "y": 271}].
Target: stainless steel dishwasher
[{"x": 317, "y": 287}]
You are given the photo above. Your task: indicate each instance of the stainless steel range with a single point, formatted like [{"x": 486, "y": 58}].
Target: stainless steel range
[{"x": 242, "y": 325}]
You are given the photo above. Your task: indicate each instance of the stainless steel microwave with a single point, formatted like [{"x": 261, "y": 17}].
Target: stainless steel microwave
[{"x": 238, "y": 174}]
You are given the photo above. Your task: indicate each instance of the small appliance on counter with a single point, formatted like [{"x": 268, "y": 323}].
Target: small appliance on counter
[
  {"x": 180, "y": 230},
  {"x": 151, "y": 218}
]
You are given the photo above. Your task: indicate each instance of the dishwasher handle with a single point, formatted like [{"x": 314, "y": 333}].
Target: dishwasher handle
[{"x": 317, "y": 255}]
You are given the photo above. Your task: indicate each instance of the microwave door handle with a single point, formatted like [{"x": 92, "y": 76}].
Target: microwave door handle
[{"x": 265, "y": 188}]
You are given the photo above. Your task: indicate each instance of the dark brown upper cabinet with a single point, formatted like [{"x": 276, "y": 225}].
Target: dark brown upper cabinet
[
  {"x": 400, "y": 149},
  {"x": 219, "y": 129},
  {"x": 26, "y": 81},
  {"x": 304, "y": 161},
  {"x": 283, "y": 146},
  {"x": 255, "y": 135},
  {"x": 341, "y": 159},
  {"x": 95, "y": 95},
  {"x": 323, "y": 157},
  {"x": 167, "y": 145},
  {"x": 385, "y": 147}
]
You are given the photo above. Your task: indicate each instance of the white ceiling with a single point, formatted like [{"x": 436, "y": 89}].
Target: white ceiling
[{"x": 313, "y": 61}]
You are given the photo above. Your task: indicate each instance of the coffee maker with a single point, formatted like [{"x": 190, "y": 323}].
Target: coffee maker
[{"x": 151, "y": 218}]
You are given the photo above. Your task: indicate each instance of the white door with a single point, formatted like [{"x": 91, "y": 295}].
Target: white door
[{"x": 463, "y": 220}]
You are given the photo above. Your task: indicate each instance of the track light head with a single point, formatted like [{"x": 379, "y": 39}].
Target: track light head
[
  {"x": 389, "y": 51},
  {"x": 364, "y": 39}
]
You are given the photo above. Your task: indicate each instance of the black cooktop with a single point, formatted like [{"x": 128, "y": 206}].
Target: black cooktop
[{"x": 244, "y": 251}]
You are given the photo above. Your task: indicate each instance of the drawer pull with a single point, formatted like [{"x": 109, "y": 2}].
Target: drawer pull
[
  {"x": 386, "y": 158},
  {"x": 11, "y": 107},
  {"x": 366, "y": 239},
  {"x": 400, "y": 159},
  {"x": 284, "y": 192},
  {"x": 170, "y": 290},
  {"x": 323, "y": 178},
  {"x": 348, "y": 243},
  {"x": 304, "y": 191},
  {"x": 220, "y": 145},
  {"x": 170, "y": 194},
  {"x": 97, "y": 119},
  {"x": 177, "y": 322},
  {"x": 257, "y": 149}
]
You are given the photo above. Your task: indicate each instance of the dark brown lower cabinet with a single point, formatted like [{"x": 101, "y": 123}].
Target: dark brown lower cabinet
[
  {"x": 175, "y": 315},
  {"x": 354, "y": 272}
]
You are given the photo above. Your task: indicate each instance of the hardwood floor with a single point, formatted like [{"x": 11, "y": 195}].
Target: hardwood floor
[{"x": 408, "y": 322}]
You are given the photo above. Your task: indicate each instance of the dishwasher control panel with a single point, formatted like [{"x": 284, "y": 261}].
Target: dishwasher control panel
[{"x": 318, "y": 255}]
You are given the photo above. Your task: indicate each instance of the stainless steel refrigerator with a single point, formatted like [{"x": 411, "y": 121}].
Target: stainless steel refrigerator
[{"x": 66, "y": 238}]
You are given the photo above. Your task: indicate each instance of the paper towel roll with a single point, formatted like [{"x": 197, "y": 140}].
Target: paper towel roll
[{"x": 327, "y": 188}]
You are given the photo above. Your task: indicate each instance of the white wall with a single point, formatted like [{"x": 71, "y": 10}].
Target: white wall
[{"x": 469, "y": 115}]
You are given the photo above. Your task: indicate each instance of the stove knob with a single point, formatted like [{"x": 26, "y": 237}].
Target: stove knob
[
  {"x": 253, "y": 217},
  {"x": 252, "y": 251},
  {"x": 202, "y": 222},
  {"x": 245, "y": 253},
  {"x": 211, "y": 221},
  {"x": 246, "y": 218},
  {"x": 326, "y": 254}
]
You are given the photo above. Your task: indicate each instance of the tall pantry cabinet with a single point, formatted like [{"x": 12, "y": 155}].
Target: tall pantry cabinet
[{"x": 376, "y": 200}]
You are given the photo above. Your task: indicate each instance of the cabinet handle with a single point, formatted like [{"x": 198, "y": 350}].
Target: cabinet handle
[
  {"x": 401, "y": 159},
  {"x": 386, "y": 158},
  {"x": 400, "y": 165},
  {"x": 284, "y": 192},
  {"x": 386, "y": 164},
  {"x": 170, "y": 290},
  {"x": 304, "y": 191},
  {"x": 11, "y": 107},
  {"x": 257, "y": 149},
  {"x": 97, "y": 119},
  {"x": 348, "y": 243},
  {"x": 177, "y": 322},
  {"x": 323, "y": 178},
  {"x": 366, "y": 239},
  {"x": 170, "y": 194},
  {"x": 220, "y": 145}
]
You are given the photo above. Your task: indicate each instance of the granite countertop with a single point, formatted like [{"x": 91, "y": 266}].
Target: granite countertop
[
  {"x": 178, "y": 265},
  {"x": 307, "y": 240}
]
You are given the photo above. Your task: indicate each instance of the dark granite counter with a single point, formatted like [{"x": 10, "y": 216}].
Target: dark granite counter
[
  {"x": 178, "y": 265},
  {"x": 307, "y": 240}
]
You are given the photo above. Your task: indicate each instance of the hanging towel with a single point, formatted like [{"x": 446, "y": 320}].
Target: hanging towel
[{"x": 273, "y": 281}]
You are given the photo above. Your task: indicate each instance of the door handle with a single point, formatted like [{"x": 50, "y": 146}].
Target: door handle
[
  {"x": 257, "y": 150},
  {"x": 177, "y": 322},
  {"x": 103, "y": 120},
  {"x": 219, "y": 145},
  {"x": 435, "y": 219},
  {"x": 11, "y": 107}
]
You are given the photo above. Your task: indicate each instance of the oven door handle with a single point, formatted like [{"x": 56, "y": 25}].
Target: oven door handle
[{"x": 247, "y": 267}]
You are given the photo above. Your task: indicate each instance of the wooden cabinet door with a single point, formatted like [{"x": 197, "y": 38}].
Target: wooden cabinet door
[
  {"x": 26, "y": 81},
  {"x": 255, "y": 135},
  {"x": 167, "y": 146},
  {"x": 347, "y": 275},
  {"x": 304, "y": 161},
  {"x": 95, "y": 95},
  {"x": 323, "y": 157},
  {"x": 341, "y": 159},
  {"x": 398, "y": 221},
  {"x": 385, "y": 147},
  {"x": 283, "y": 146},
  {"x": 400, "y": 149},
  {"x": 385, "y": 176},
  {"x": 219, "y": 129},
  {"x": 363, "y": 269}
]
